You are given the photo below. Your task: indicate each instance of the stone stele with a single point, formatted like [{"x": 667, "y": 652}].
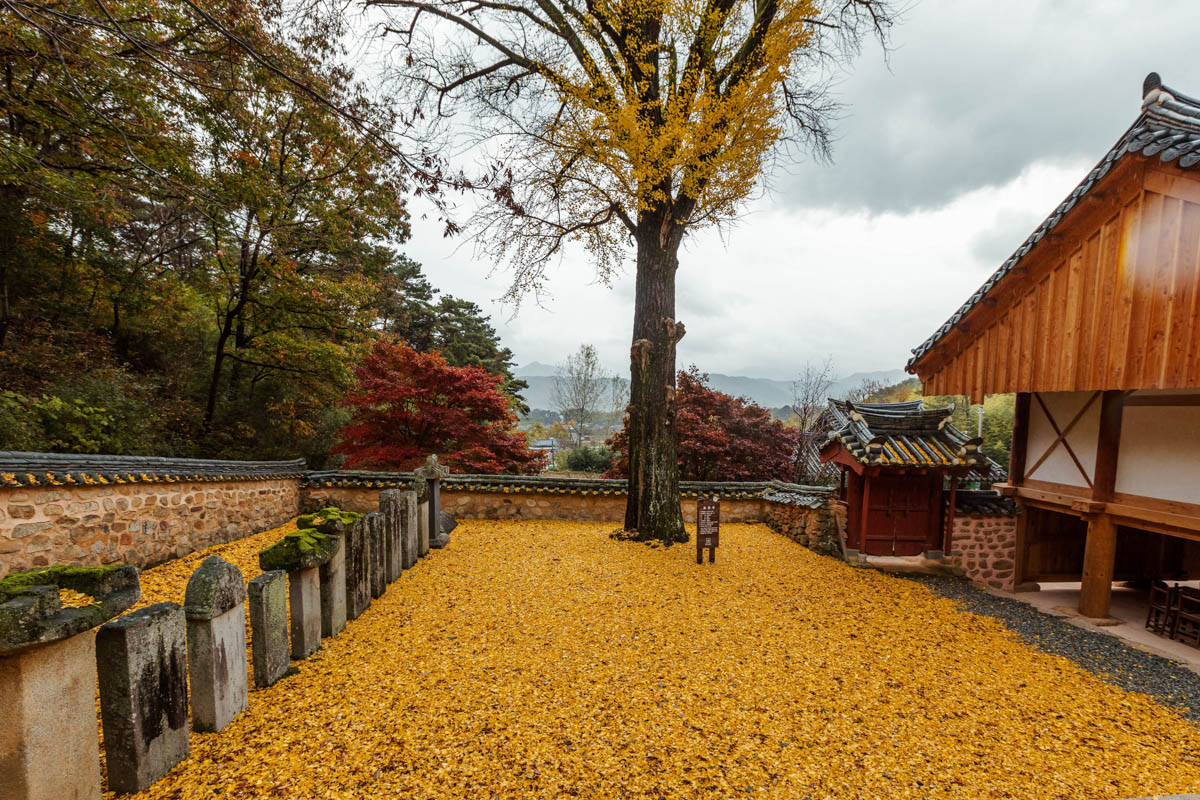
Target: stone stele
[
  {"x": 141, "y": 661},
  {"x": 267, "y": 595},
  {"x": 357, "y": 542},
  {"x": 304, "y": 611},
  {"x": 409, "y": 529},
  {"x": 49, "y": 749},
  {"x": 215, "y": 606},
  {"x": 377, "y": 529},
  {"x": 333, "y": 593},
  {"x": 392, "y": 508}
]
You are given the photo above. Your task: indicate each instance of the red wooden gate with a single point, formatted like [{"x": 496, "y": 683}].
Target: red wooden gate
[{"x": 902, "y": 517}]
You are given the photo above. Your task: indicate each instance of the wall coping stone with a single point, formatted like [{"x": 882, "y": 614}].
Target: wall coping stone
[
  {"x": 67, "y": 469},
  {"x": 775, "y": 491}
]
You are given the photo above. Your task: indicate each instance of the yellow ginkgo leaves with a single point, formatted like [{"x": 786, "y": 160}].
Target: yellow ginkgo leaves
[{"x": 546, "y": 660}]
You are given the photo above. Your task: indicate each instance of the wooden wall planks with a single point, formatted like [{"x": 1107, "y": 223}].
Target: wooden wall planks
[{"x": 1108, "y": 300}]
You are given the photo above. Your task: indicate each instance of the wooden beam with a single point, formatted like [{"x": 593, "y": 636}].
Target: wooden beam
[
  {"x": 1020, "y": 440},
  {"x": 1020, "y": 546},
  {"x": 1163, "y": 400},
  {"x": 1104, "y": 478},
  {"x": 1099, "y": 559},
  {"x": 948, "y": 533},
  {"x": 865, "y": 515},
  {"x": 1062, "y": 436}
]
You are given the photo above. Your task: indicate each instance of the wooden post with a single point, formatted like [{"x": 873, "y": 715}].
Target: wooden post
[
  {"x": 1020, "y": 440},
  {"x": 1099, "y": 557},
  {"x": 1104, "y": 479},
  {"x": 948, "y": 534},
  {"x": 1020, "y": 557},
  {"x": 1100, "y": 552},
  {"x": 865, "y": 514}
]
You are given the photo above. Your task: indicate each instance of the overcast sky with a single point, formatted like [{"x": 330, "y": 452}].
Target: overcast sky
[{"x": 983, "y": 119}]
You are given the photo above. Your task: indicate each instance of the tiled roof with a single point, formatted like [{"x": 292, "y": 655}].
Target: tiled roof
[
  {"x": 984, "y": 502},
  {"x": 1168, "y": 127},
  {"x": 902, "y": 434},
  {"x": 538, "y": 484},
  {"x": 66, "y": 469}
]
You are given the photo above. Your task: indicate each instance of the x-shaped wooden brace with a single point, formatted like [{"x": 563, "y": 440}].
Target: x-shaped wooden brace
[{"x": 1062, "y": 436}]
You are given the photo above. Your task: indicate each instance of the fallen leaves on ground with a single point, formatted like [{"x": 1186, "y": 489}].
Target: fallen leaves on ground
[
  {"x": 167, "y": 582},
  {"x": 546, "y": 660}
]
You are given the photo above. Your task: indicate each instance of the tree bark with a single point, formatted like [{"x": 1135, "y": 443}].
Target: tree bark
[
  {"x": 12, "y": 207},
  {"x": 653, "y": 507}
]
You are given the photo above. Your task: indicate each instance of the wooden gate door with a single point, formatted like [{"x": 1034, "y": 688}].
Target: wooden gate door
[{"x": 902, "y": 516}]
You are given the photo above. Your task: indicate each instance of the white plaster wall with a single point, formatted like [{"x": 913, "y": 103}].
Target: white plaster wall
[
  {"x": 1059, "y": 468},
  {"x": 1160, "y": 452}
]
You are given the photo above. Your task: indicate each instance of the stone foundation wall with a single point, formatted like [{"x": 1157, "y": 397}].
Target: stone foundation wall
[
  {"x": 363, "y": 501},
  {"x": 141, "y": 524},
  {"x": 798, "y": 523},
  {"x": 985, "y": 546}
]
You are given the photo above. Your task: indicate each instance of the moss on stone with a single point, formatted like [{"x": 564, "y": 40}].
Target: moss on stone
[
  {"x": 328, "y": 520},
  {"x": 82, "y": 579},
  {"x": 301, "y": 549}
]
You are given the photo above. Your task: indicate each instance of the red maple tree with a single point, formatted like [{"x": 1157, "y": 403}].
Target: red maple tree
[
  {"x": 719, "y": 437},
  {"x": 408, "y": 405}
]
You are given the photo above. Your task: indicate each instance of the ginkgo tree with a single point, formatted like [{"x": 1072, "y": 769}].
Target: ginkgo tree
[{"x": 627, "y": 124}]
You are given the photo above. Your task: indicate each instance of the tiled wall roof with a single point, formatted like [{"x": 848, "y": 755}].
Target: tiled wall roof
[{"x": 66, "y": 469}]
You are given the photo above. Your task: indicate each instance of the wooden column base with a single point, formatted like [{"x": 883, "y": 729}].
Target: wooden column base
[{"x": 1099, "y": 557}]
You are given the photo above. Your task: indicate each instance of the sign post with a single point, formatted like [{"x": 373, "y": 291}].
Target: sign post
[{"x": 708, "y": 525}]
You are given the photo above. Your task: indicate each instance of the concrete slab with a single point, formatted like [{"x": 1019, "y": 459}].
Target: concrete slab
[{"x": 1126, "y": 621}]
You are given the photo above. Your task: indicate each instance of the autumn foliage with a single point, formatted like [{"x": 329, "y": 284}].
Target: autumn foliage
[
  {"x": 407, "y": 405},
  {"x": 719, "y": 437}
]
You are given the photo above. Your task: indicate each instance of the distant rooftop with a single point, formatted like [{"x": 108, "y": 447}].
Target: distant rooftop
[{"x": 902, "y": 434}]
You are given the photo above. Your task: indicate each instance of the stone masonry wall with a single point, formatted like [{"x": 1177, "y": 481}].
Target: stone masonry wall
[
  {"x": 796, "y": 522},
  {"x": 985, "y": 546},
  {"x": 141, "y": 524},
  {"x": 526, "y": 505}
]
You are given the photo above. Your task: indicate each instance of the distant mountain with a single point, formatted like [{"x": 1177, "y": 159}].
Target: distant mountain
[
  {"x": 535, "y": 369},
  {"x": 766, "y": 392}
]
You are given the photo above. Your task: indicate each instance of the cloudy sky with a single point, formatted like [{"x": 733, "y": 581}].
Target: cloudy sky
[{"x": 949, "y": 154}]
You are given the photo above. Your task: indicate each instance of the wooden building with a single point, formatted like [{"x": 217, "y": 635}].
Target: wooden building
[
  {"x": 900, "y": 467},
  {"x": 1094, "y": 322}
]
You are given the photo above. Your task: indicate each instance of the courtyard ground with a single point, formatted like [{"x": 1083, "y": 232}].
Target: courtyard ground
[{"x": 543, "y": 659}]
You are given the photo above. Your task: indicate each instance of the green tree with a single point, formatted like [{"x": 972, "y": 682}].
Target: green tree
[{"x": 456, "y": 328}]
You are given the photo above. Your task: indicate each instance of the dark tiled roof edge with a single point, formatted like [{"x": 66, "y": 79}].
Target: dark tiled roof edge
[
  {"x": 983, "y": 503},
  {"x": 537, "y": 484},
  {"x": 1169, "y": 127},
  {"x": 68, "y": 469}
]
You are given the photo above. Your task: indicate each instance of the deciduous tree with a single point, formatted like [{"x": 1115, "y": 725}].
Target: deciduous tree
[
  {"x": 721, "y": 438},
  {"x": 580, "y": 384},
  {"x": 630, "y": 123},
  {"x": 407, "y": 405}
]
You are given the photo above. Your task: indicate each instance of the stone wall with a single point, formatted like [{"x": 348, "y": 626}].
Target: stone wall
[
  {"x": 86, "y": 510},
  {"x": 527, "y": 504},
  {"x": 796, "y": 522},
  {"x": 985, "y": 546},
  {"x": 142, "y": 524},
  {"x": 96, "y": 510}
]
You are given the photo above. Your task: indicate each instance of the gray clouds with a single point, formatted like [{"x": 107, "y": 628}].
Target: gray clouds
[
  {"x": 977, "y": 91},
  {"x": 990, "y": 115}
]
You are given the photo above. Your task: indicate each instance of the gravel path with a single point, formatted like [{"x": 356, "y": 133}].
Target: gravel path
[{"x": 1105, "y": 656}]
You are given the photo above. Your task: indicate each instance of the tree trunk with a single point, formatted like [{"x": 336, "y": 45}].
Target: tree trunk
[
  {"x": 12, "y": 208},
  {"x": 653, "y": 508}
]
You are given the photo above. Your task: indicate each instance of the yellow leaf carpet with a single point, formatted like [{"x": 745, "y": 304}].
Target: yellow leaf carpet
[{"x": 545, "y": 660}]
